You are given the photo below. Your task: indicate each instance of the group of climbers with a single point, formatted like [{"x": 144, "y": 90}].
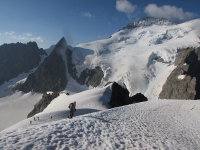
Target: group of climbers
[{"x": 72, "y": 108}]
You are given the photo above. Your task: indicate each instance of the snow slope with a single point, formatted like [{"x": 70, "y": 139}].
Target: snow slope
[
  {"x": 96, "y": 99},
  {"x": 127, "y": 57},
  {"x": 163, "y": 124}
]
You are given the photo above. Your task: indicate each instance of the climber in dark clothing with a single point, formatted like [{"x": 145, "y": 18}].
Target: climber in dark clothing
[{"x": 72, "y": 108}]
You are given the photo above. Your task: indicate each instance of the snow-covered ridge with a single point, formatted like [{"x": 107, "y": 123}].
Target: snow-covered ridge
[
  {"x": 149, "y": 21},
  {"x": 128, "y": 56},
  {"x": 164, "y": 124}
]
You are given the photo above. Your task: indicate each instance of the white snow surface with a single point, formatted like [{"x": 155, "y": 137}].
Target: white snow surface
[
  {"x": 127, "y": 57},
  {"x": 156, "y": 124}
]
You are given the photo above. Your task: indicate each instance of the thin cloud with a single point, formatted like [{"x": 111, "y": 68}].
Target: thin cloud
[
  {"x": 102, "y": 37},
  {"x": 27, "y": 34},
  {"x": 115, "y": 19},
  {"x": 20, "y": 38},
  {"x": 37, "y": 39},
  {"x": 9, "y": 32},
  {"x": 126, "y": 7},
  {"x": 87, "y": 14},
  {"x": 26, "y": 38},
  {"x": 68, "y": 36},
  {"x": 169, "y": 12},
  {"x": 105, "y": 18},
  {"x": 0, "y": 33}
]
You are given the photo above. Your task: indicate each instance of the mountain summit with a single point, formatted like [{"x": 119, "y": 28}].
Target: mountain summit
[{"x": 148, "y": 21}]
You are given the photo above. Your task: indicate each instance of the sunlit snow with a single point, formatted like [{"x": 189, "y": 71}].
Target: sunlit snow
[{"x": 181, "y": 77}]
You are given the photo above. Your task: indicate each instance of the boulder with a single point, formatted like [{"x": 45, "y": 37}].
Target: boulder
[{"x": 120, "y": 96}]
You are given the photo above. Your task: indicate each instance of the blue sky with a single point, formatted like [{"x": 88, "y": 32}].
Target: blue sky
[{"x": 80, "y": 21}]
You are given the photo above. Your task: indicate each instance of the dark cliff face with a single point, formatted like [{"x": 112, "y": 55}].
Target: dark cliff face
[
  {"x": 188, "y": 64},
  {"x": 120, "y": 96},
  {"x": 18, "y": 58},
  {"x": 90, "y": 77},
  {"x": 50, "y": 75}
]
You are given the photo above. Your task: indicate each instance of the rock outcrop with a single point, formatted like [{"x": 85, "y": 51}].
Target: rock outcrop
[
  {"x": 43, "y": 103},
  {"x": 50, "y": 75},
  {"x": 90, "y": 77},
  {"x": 184, "y": 81},
  {"x": 18, "y": 58},
  {"x": 120, "y": 96}
]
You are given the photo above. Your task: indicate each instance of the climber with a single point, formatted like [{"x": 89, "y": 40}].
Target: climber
[{"x": 72, "y": 108}]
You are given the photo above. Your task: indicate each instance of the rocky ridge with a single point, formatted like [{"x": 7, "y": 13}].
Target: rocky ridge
[{"x": 184, "y": 81}]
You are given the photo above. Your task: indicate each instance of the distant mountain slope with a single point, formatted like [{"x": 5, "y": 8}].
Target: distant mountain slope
[
  {"x": 148, "y": 125},
  {"x": 139, "y": 59},
  {"x": 18, "y": 58}
]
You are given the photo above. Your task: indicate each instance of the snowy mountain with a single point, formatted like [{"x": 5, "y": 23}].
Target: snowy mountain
[
  {"x": 130, "y": 56},
  {"x": 140, "y": 58}
]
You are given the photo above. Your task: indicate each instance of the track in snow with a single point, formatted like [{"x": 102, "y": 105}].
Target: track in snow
[{"x": 164, "y": 124}]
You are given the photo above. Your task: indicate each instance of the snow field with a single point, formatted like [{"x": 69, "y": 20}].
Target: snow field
[{"x": 163, "y": 124}]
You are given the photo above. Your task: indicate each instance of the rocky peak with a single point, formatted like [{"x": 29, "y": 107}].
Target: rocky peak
[
  {"x": 60, "y": 47},
  {"x": 148, "y": 21},
  {"x": 51, "y": 74}
]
